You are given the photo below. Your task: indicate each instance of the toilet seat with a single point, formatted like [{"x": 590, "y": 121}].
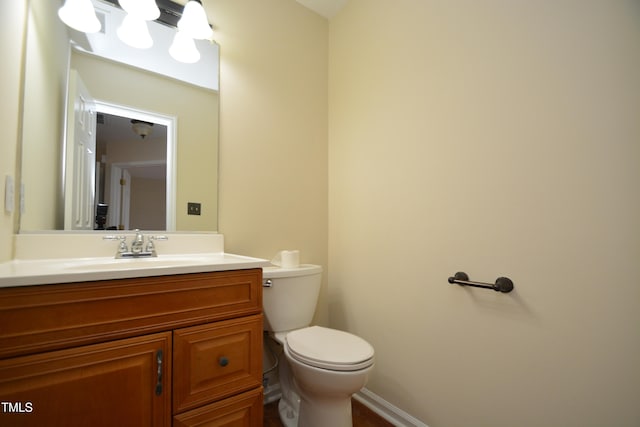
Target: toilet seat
[{"x": 329, "y": 349}]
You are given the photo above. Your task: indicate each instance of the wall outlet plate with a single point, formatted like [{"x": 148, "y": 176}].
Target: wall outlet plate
[{"x": 193, "y": 208}]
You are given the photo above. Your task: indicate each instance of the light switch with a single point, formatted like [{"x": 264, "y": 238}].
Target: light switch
[{"x": 8, "y": 194}]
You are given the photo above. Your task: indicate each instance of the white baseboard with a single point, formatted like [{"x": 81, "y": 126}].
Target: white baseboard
[
  {"x": 381, "y": 407},
  {"x": 386, "y": 410}
]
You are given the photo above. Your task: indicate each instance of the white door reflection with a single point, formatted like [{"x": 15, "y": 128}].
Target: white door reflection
[{"x": 135, "y": 182}]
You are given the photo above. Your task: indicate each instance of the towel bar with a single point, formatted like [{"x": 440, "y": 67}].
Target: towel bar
[{"x": 502, "y": 284}]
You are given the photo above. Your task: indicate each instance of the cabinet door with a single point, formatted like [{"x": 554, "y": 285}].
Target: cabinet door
[
  {"x": 215, "y": 361},
  {"x": 120, "y": 383},
  {"x": 245, "y": 409}
]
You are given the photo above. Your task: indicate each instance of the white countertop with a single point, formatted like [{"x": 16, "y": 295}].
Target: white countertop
[
  {"x": 49, "y": 258},
  {"x": 49, "y": 271}
]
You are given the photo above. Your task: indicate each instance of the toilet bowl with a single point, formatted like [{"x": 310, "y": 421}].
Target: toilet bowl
[{"x": 323, "y": 367}]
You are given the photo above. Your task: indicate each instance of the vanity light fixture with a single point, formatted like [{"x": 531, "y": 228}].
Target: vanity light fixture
[
  {"x": 183, "y": 48},
  {"x": 194, "y": 21},
  {"x": 141, "y": 128},
  {"x": 80, "y": 15},
  {"x": 134, "y": 32},
  {"x": 144, "y": 9}
]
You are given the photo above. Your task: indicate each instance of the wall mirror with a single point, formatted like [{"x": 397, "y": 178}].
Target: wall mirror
[{"x": 155, "y": 124}]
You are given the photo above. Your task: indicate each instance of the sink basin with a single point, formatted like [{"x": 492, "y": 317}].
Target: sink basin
[
  {"x": 169, "y": 261},
  {"x": 67, "y": 270},
  {"x": 49, "y": 258}
]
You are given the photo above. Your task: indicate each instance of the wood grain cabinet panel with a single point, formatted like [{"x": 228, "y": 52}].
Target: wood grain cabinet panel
[
  {"x": 120, "y": 383},
  {"x": 243, "y": 410},
  {"x": 215, "y": 361},
  {"x": 50, "y": 317}
]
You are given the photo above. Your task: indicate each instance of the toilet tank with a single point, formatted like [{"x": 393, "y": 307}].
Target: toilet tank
[{"x": 289, "y": 296}]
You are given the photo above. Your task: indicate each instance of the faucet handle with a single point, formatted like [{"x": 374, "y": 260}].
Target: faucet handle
[
  {"x": 122, "y": 247},
  {"x": 151, "y": 247}
]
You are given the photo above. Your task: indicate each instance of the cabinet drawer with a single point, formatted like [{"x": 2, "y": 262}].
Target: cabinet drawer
[
  {"x": 216, "y": 360},
  {"x": 244, "y": 409},
  {"x": 50, "y": 317}
]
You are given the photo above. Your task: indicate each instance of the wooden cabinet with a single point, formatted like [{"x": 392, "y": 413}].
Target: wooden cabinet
[
  {"x": 121, "y": 383},
  {"x": 184, "y": 349}
]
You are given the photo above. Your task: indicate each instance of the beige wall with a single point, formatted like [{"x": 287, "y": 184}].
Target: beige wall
[
  {"x": 496, "y": 138},
  {"x": 47, "y": 61},
  {"x": 273, "y": 139},
  {"x": 12, "y": 27}
]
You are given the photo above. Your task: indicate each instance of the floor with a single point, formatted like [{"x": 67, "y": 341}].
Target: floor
[{"x": 362, "y": 416}]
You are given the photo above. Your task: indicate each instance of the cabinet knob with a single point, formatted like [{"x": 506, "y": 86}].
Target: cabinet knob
[{"x": 223, "y": 361}]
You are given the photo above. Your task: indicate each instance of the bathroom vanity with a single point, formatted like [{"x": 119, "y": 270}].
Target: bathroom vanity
[{"x": 153, "y": 349}]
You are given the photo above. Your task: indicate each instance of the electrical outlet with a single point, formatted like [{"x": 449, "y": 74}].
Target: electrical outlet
[{"x": 193, "y": 208}]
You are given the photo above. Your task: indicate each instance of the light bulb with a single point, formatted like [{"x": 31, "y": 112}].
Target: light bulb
[
  {"x": 143, "y": 9},
  {"x": 194, "y": 21},
  {"x": 134, "y": 32},
  {"x": 80, "y": 15},
  {"x": 184, "y": 49}
]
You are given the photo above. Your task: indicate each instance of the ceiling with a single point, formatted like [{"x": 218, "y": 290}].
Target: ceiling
[{"x": 326, "y": 8}]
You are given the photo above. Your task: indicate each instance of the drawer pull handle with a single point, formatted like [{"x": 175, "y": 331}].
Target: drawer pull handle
[
  {"x": 223, "y": 361},
  {"x": 159, "y": 363}
]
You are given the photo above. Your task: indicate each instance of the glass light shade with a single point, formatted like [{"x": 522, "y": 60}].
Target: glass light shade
[
  {"x": 134, "y": 32},
  {"x": 194, "y": 21},
  {"x": 141, "y": 128},
  {"x": 183, "y": 48},
  {"x": 143, "y": 9},
  {"x": 80, "y": 15}
]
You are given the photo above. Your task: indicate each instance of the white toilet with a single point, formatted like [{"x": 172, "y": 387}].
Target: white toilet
[{"x": 324, "y": 367}]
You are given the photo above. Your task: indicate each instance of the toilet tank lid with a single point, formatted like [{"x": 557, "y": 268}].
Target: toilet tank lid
[{"x": 302, "y": 270}]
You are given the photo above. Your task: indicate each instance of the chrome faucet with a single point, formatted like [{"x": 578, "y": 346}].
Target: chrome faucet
[
  {"x": 138, "y": 248},
  {"x": 137, "y": 245}
]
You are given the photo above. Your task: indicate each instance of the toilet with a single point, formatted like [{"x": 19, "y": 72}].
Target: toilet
[{"x": 323, "y": 367}]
